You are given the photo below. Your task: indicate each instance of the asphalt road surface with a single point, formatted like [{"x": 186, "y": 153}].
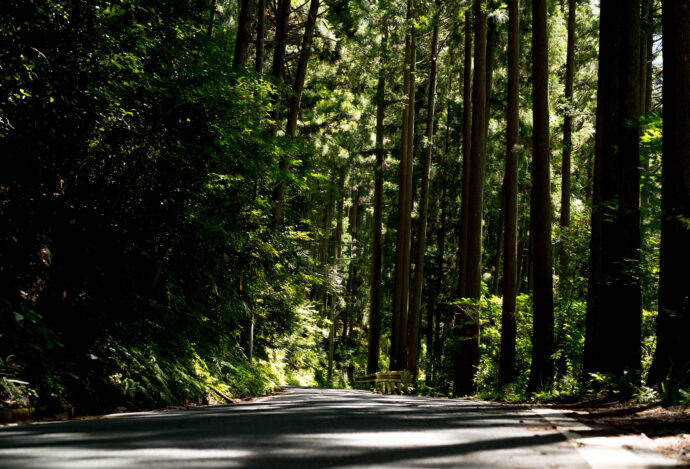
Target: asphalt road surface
[{"x": 314, "y": 428}]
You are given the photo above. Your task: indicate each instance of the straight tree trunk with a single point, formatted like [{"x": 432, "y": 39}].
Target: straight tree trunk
[
  {"x": 506, "y": 372},
  {"x": 402, "y": 178},
  {"x": 541, "y": 372},
  {"x": 592, "y": 328},
  {"x": 212, "y": 18},
  {"x": 466, "y": 147},
  {"x": 615, "y": 303},
  {"x": 375, "y": 314},
  {"x": 403, "y": 242},
  {"x": 243, "y": 34},
  {"x": 260, "y": 36},
  {"x": 646, "y": 78},
  {"x": 323, "y": 257},
  {"x": 477, "y": 157},
  {"x": 491, "y": 38},
  {"x": 278, "y": 69},
  {"x": 413, "y": 335},
  {"x": 355, "y": 216},
  {"x": 469, "y": 348},
  {"x": 672, "y": 356},
  {"x": 339, "y": 220},
  {"x": 295, "y": 101},
  {"x": 499, "y": 241},
  {"x": 567, "y": 140},
  {"x": 434, "y": 314}
]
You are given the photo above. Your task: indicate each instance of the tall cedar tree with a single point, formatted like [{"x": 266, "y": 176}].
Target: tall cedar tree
[
  {"x": 282, "y": 18},
  {"x": 404, "y": 234},
  {"x": 567, "y": 139},
  {"x": 295, "y": 101},
  {"x": 375, "y": 315},
  {"x": 614, "y": 303},
  {"x": 413, "y": 335},
  {"x": 468, "y": 360},
  {"x": 672, "y": 358},
  {"x": 260, "y": 36},
  {"x": 243, "y": 34},
  {"x": 508, "y": 322},
  {"x": 541, "y": 372},
  {"x": 433, "y": 309},
  {"x": 466, "y": 147},
  {"x": 212, "y": 17}
]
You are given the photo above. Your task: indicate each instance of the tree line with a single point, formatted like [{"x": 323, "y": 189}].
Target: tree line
[{"x": 234, "y": 194}]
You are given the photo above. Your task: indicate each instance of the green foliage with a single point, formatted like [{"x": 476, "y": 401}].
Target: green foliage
[
  {"x": 136, "y": 194},
  {"x": 487, "y": 373}
]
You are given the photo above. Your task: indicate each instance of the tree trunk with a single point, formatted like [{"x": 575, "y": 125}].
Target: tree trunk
[
  {"x": 646, "y": 78},
  {"x": 592, "y": 329},
  {"x": 506, "y": 372},
  {"x": 212, "y": 18},
  {"x": 541, "y": 372},
  {"x": 243, "y": 34},
  {"x": 466, "y": 157},
  {"x": 260, "y": 36},
  {"x": 278, "y": 69},
  {"x": 616, "y": 299},
  {"x": 323, "y": 257},
  {"x": 672, "y": 356},
  {"x": 469, "y": 353},
  {"x": 403, "y": 241},
  {"x": 567, "y": 142},
  {"x": 413, "y": 334},
  {"x": 355, "y": 215},
  {"x": 295, "y": 100},
  {"x": 499, "y": 241},
  {"x": 434, "y": 313},
  {"x": 491, "y": 38},
  {"x": 375, "y": 314},
  {"x": 477, "y": 157}
]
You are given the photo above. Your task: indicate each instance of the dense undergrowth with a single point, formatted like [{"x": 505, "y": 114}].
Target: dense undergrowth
[{"x": 136, "y": 192}]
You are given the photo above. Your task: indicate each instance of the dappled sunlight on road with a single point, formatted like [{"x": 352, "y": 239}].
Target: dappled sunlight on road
[{"x": 302, "y": 428}]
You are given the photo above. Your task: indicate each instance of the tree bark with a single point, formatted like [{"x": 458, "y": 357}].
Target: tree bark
[
  {"x": 499, "y": 241},
  {"x": 413, "y": 334},
  {"x": 403, "y": 244},
  {"x": 260, "y": 36},
  {"x": 466, "y": 157},
  {"x": 323, "y": 257},
  {"x": 375, "y": 315},
  {"x": 295, "y": 101},
  {"x": 672, "y": 356},
  {"x": 506, "y": 373},
  {"x": 567, "y": 142},
  {"x": 477, "y": 157},
  {"x": 469, "y": 348},
  {"x": 355, "y": 216},
  {"x": 616, "y": 298},
  {"x": 277, "y": 69},
  {"x": 541, "y": 372},
  {"x": 211, "y": 18},
  {"x": 646, "y": 78},
  {"x": 491, "y": 38},
  {"x": 243, "y": 34}
]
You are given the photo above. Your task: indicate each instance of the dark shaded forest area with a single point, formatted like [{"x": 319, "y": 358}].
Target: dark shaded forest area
[{"x": 207, "y": 199}]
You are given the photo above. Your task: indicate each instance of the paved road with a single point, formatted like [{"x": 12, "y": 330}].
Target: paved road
[{"x": 303, "y": 428}]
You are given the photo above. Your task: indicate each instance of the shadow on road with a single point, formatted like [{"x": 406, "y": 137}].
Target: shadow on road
[{"x": 303, "y": 428}]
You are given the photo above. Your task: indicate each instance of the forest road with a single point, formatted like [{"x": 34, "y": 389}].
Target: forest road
[{"x": 319, "y": 428}]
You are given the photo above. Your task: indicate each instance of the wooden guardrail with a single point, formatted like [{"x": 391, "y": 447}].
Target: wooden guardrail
[{"x": 388, "y": 382}]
